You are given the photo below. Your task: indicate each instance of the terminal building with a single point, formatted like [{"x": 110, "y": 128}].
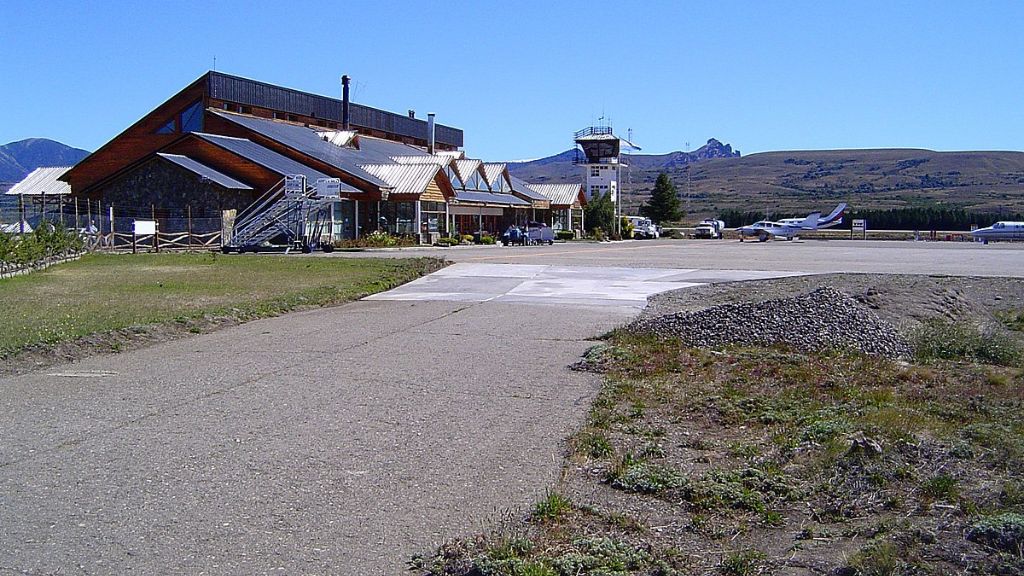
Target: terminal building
[{"x": 224, "y": 142}]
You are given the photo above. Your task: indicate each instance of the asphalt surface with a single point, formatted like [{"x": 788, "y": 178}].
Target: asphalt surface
[
  {"x": 344, "y": 440},
  {"x": 814, "y": 256}
]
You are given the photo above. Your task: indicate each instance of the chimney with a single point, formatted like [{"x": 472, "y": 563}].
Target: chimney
[
  {"x": 345, "y": 119},
  {"x": 430, "y": 133},
  {"x": 412, "y": 114}
]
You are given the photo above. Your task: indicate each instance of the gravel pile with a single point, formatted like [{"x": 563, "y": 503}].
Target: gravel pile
[{"x": 820, "y": 320}]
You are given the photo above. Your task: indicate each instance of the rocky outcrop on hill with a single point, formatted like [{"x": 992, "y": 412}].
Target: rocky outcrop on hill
[{"x": 824, "y": 319}]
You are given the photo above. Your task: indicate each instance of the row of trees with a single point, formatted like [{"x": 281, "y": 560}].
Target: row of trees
[{"x": 924, "y": 218}]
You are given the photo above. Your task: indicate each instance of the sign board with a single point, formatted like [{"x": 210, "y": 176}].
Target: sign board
[
  {"x": 145, "y": 227},
  {"x": 860, "y": 225}
]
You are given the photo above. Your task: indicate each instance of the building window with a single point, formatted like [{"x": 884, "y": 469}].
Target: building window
[
  {"x": 166, "y": 128},
  {"x": 595, "y": 171},
  {"x": 192, "y": 118}
]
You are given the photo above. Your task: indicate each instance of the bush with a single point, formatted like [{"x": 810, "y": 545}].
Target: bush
[
  {"x": 447, "y": 241},
  {"x": 565, "y": 234},
  {"x": 1003, "y": 531},
  {"x": 938, "y": 339},
  {"x": 467, "y": 238},
  {"x": 599, "y": 234},
  {"x": 487, "y": 239},
  {"x": 46, "y": 241}
]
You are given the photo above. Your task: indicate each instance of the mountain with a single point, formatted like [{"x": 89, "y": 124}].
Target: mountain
[
  {"x": 19, "y": 158},
  {"x": 797, "y": 182},
  {"x": 561, "y": 167}
]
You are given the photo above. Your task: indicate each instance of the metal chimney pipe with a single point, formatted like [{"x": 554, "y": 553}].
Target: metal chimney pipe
[
  {"x": 345, "y": 118},
  {"x": 430, "y": 133}
]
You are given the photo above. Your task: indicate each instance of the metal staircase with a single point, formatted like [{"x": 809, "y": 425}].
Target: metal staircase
[{"x": 295, "y": 215}]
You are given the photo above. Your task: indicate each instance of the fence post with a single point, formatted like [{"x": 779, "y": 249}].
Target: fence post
[
  {"x": 189, "y": 227},
  {"x": 60, "y": 207},
  {"x": 113, "y": 238},
  {"x": 77, "y": 226},
  {"x": 156, "y": 228},
  {"x": 21, "y": 213}
]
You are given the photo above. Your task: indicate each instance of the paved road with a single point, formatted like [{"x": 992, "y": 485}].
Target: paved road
[
  {"x": 333, "y": 441},
  {"x": 948, "y": 258}
]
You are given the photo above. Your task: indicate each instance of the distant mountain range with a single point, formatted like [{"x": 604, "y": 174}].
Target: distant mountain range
[
  {"x": 715, "y": 178},
  {"x": 561, "y": 167},
  {"x": 19, "y": 158}
]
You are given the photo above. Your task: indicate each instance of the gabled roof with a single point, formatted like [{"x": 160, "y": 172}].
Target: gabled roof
[
  {"x": 204, "y": 171},
  {"x": 311, "y": 143},
  {"x": 269, "y": 159},
  {"x": 492, "y": 172},
  {"x": 469, "y": 197},
  {"x": 405, "y": 178},
  {"x": 42, "y": 181},
  {"x": 466, "y": 167},
  {"x": 559, "y": 194}
]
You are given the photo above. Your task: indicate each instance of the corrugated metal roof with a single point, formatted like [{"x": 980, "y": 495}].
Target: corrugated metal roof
[
  {"x": 405, "y": 178},
  {"x": 527, "y": 190},
  {"x": 466, "y": 197},
  {"x": 559, "y": 194},
  {"x": 43, "y": 181},
  {"x": 267, "y": 158},
  {"x": 466, "y": 167},
  {"x": 254, "y": 93},
  {"x": 492, "y": 172},
  {"x": 205, "y": 171},
  {"x": 423, "y": 159},
  {"x": 455, "y": 154},
  {"x": 311, "y": 143}
]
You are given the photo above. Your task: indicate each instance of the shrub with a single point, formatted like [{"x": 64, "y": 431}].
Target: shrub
[
  {"x": 938, "y": 339},
  {"x": 46, "y": 241},
  {"x": 565, "y": 234},
  {"x": 467, "y": 238},
  {"x": 487, "y": 239},
  {"x": 942, "y": 486},
  {"x": 743, "y": 563},
  {"x": 1003, "y": 531},
  {"x": 447, "y": 241},
  {"x": 599, "y": 234}
]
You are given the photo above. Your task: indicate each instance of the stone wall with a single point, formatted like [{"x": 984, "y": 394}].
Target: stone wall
[{"x": 171, "y": 188}]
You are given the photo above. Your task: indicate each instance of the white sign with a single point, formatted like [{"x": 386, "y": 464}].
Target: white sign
[
  {"x": 860, "y": 225},
  {"x": 145, "y": 227}
]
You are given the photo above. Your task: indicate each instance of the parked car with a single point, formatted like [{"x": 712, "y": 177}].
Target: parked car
[
  {"x": 539, "y": 233},
  {"x": 513, "y": 236},
  {"x": 709, "y": 228}
]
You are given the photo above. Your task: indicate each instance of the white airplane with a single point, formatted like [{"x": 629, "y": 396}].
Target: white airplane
[
  {"x": 765, "y": 229},
  {"x": 833, "y": 219},
  {"x": 1000, "y": 231}
]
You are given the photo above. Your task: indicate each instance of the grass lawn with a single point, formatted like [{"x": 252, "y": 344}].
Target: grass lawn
[{"x": 104, "y": 292}]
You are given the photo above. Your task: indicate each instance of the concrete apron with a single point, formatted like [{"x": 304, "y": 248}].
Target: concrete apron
[{"x": 340, "y": 440}]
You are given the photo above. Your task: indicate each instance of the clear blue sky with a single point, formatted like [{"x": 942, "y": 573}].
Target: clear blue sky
[{"x": 520, "y": 77}]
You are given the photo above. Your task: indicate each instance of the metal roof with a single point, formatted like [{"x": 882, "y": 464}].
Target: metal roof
[
  {"x": 42, "y": 181},
  {"x": 405, "y": 178},
  {"x": 467, "y": 197},
  {"x": 559, "y": 194},
  {"x": 423, "y": 159},
  {"x": 254, "y": 93},
  {"x": 466, "y": 167},
  {"x": 267, "y": 158},
  {"x": 311, "y": 143},
  {"x": 492, "y": 172},
  {"x": 205, "y": 171},
  {"x": 527, "y": 190}
]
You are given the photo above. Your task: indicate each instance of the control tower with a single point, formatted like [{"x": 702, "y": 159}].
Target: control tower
[{"x": 601, "y": 160}]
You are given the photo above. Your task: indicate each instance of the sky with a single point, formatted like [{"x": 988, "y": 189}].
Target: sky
[{"x": 519, "y": 77}]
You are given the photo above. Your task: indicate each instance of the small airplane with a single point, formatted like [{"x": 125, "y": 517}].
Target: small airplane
[
  {"x": 833, "y": 219},
  {"x": 1000, "y": 231},
  {"x": 765, "y": 229}
]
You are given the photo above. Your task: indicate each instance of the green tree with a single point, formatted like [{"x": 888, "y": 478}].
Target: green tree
[
  {"x": 663, "y": 205},
  {"x": 600, "y": 212}
]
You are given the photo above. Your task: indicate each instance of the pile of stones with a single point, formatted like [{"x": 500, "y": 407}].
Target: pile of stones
[{"x": 824, "y": 319}]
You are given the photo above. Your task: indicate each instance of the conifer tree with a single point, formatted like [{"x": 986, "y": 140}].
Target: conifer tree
[{"x": 663, "y": 205}]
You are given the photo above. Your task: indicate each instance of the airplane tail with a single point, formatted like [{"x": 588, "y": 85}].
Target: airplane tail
[{"x": 836, "y": 217}]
